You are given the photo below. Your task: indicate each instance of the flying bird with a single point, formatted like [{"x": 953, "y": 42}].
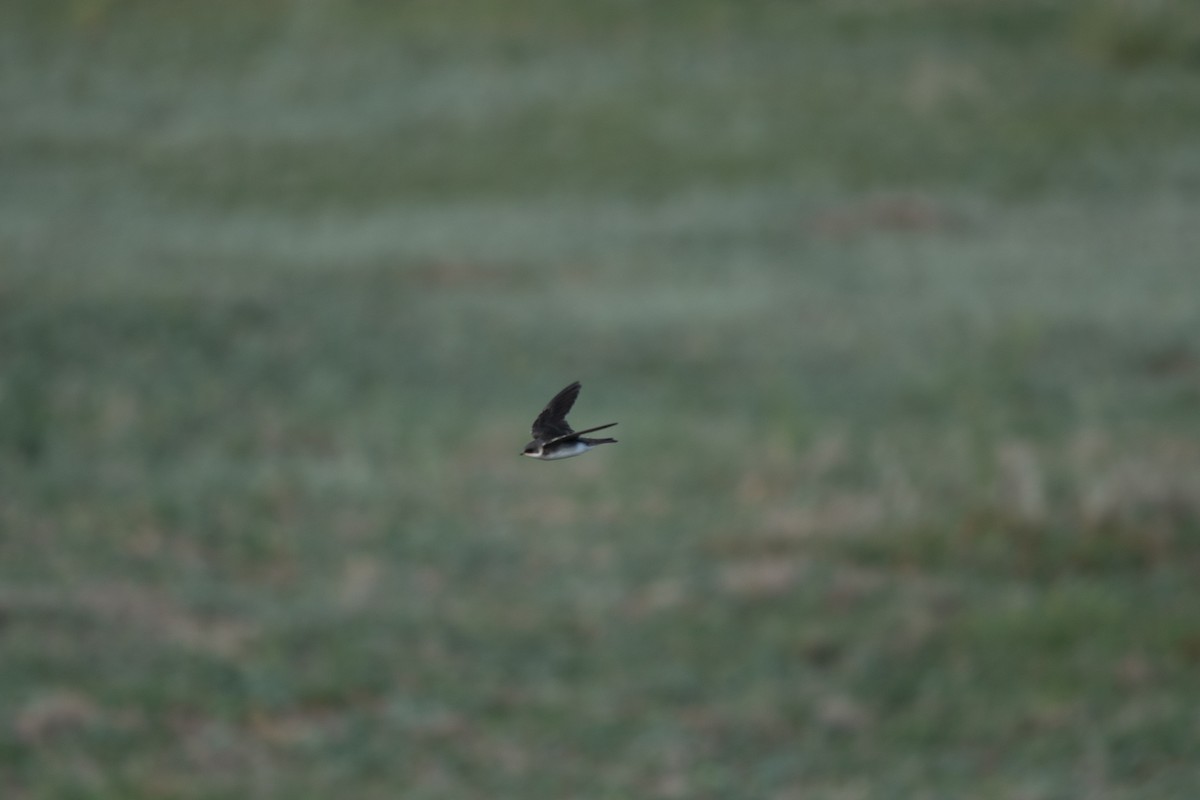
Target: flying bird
[{"x": 553, "y": 437}]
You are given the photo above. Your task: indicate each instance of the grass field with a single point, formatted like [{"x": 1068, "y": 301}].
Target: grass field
[{"x": 897, "y": 305}]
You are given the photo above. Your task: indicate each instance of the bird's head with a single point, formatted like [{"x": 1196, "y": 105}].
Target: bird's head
[{"x": 533, "y": 450}]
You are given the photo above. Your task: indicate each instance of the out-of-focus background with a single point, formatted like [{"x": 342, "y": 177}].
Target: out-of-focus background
[{"x": 897, "y": 305}]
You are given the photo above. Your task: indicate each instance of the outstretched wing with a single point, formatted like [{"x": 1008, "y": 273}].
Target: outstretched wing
[
  {"x": 552, "y": 421},
  {"x": 569, "y": 434}
]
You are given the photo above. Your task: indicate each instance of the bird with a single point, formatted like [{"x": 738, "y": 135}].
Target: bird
[{"x": 552, "y": 436}]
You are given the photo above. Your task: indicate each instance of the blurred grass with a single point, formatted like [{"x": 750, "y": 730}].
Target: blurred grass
[{"x": 895, "y": 303}]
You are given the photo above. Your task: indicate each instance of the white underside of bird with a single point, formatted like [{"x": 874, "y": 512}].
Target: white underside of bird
[{"x": 561, "y": 451}]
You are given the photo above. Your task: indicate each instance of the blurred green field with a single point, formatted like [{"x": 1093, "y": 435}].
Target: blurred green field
[{"x": 897, "y": 304}]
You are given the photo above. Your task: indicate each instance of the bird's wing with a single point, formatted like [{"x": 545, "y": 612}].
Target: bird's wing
[
  {"x": 552, "y": 421},
  {"x": 568, "y": 435}
]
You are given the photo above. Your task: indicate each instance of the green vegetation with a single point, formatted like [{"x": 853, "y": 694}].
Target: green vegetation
[{"x": 897, "y": 303}]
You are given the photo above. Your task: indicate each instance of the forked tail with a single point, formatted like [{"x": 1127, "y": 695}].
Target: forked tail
[{"x": 597, "y": 441}]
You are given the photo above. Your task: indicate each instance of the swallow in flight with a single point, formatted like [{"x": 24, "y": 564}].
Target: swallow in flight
[{"x": 553, "y": 437}]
